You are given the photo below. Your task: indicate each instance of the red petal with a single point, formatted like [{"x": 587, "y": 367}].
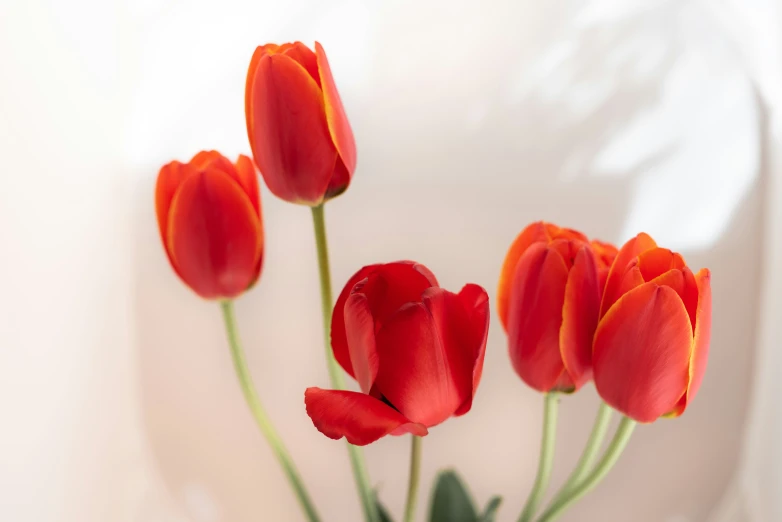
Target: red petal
[
  {"x": 393, "y": 285},
  {"x": 290, "y": 137},
  {"x": 475, "y": 332},
  {"x": 690, "y": 295},
  {"x": 339, "y": 340},
  {"x": 420, "y": 372},
  {"x": 629, "y": 251},
  {"x": 248, "y": 90},
  {"x": 214, "y": 235},
  {"x": 244, "y": 174},
  {"x": 533, "y": 233},
  {"x": 339, "y": 127},
  {"x": 359, "y": 418},
  {"x": 641, "y": 352},
  {"x": 702, "y": 338},
  {"x": 360, "y": 330},
  {"x": 657, "y": 261},
  {"x": 556, "y": 232},
  {"x": 535, "y": 317},
  {"x": 579, "y": 317},
  {"x": 306, "y": 58},
  {"x": 211, "y": 159},
  {"x": 169, "y": 179}
]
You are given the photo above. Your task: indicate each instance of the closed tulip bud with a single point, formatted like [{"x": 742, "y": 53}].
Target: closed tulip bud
[
  {"x": 652, "y": 341},
  {"x": 299, "y": 134},
  {"x": 415, "y": 349},
  {"x": 548, "y": 302},
  {"x": 209, "y": 217}
]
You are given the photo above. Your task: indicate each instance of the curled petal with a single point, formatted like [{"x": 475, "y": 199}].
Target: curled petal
[
  {"x": 535, "y": 317},
  {"x": 339, "y": 340},
  {"x": 641, "y": 352},
  {"x": 339, "y": 127},
  {"x": 629, "y": 251},
  {"x": 533, "y": 233},
  {"x": 702, "y": 338},
  {"x": 289, "y": 134},
  {"x": 579, "y": 317},
  {"x": 214, "y": 235},
  {"x": 359, "y": 418},
  {"x": 360, "y": 331}
]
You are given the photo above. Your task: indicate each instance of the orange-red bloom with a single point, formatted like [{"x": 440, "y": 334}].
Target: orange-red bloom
[
  {"x": 548, "y": 302},
  {"x": 415, "y": 349},
  {"x": 299, "y": 133},
  {"x": 652, "y": 341},
  {"x": 209, "y": 216}
]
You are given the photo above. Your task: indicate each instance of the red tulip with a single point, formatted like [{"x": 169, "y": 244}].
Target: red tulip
[
  {"x": 548, "y": 302},
  {"x": 299, "y": 133},
  {"x": 652, "y": 341},
  {"x": 209, "y": 216},
  {"x": 415, "y": 349}
]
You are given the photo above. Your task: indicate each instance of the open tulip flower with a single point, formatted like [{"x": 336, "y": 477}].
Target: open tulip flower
[
  {"x": 652, "y": 341},
  {"x": 209, "y": 217},
  {"x": 415, "y": 349},
  {"x": 548, "y": 302},
  {"x": 298, "y": 130}
]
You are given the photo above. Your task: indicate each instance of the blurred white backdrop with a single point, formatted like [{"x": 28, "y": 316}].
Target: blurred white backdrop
[{"x": 472, "y": 119}]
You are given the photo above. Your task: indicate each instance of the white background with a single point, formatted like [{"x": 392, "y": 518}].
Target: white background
[{"x": 117, "y": 395}]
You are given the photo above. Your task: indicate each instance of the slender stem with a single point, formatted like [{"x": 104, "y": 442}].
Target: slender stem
[
  {"x": 415, "y": 471},
  {"x": 357, "y": 461},
  {"x": 551, "y": 404},
  {"x": 261, "y": 417},
  {"x": 591, "y": 451},
  {"x": 612, "y": 454}
]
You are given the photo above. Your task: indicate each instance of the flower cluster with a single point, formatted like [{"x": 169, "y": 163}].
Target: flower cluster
[{"x": 635, "y": 321}]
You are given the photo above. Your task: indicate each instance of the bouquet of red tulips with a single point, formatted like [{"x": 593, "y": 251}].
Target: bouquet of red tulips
[{"x": 635, "y": 320}]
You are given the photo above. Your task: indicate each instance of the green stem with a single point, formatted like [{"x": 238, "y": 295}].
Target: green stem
[
  {"x": 588, "y": 457},
  {"x": 415, "y": 471},
  {"x": 612, "y": 454},
  {"x": 261, "y": 417},
  {"x": 546, "y": 461},
  {"x": 357, "y": 461}
]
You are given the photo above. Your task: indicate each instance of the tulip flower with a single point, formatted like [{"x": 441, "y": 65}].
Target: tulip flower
[
  {"x": 209, "y": 217},
  {"x": 415, "y": 349},
  {"x": 652, "y": 341},
  {"x": 548, "y": 302},
  {"x": 300, "y": 136}
]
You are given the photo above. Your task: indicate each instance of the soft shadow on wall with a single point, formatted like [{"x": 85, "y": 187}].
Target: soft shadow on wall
[{"x": 458, "y": 151}]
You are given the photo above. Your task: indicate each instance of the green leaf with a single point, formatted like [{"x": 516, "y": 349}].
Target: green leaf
[
  {"x": 451, "y": 501},
  {"x": 381, "y": 510},
  {"x": 491, "y": 509}
]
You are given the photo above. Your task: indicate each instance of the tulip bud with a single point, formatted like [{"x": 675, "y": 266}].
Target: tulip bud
[
  {"x": 209, "y": 218},
  {"x": 415, "y": 349},
  {"x": 298, "y": 130},
  {"x": 548, "y": 302},
  {"x": 652, "y": 341}
]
